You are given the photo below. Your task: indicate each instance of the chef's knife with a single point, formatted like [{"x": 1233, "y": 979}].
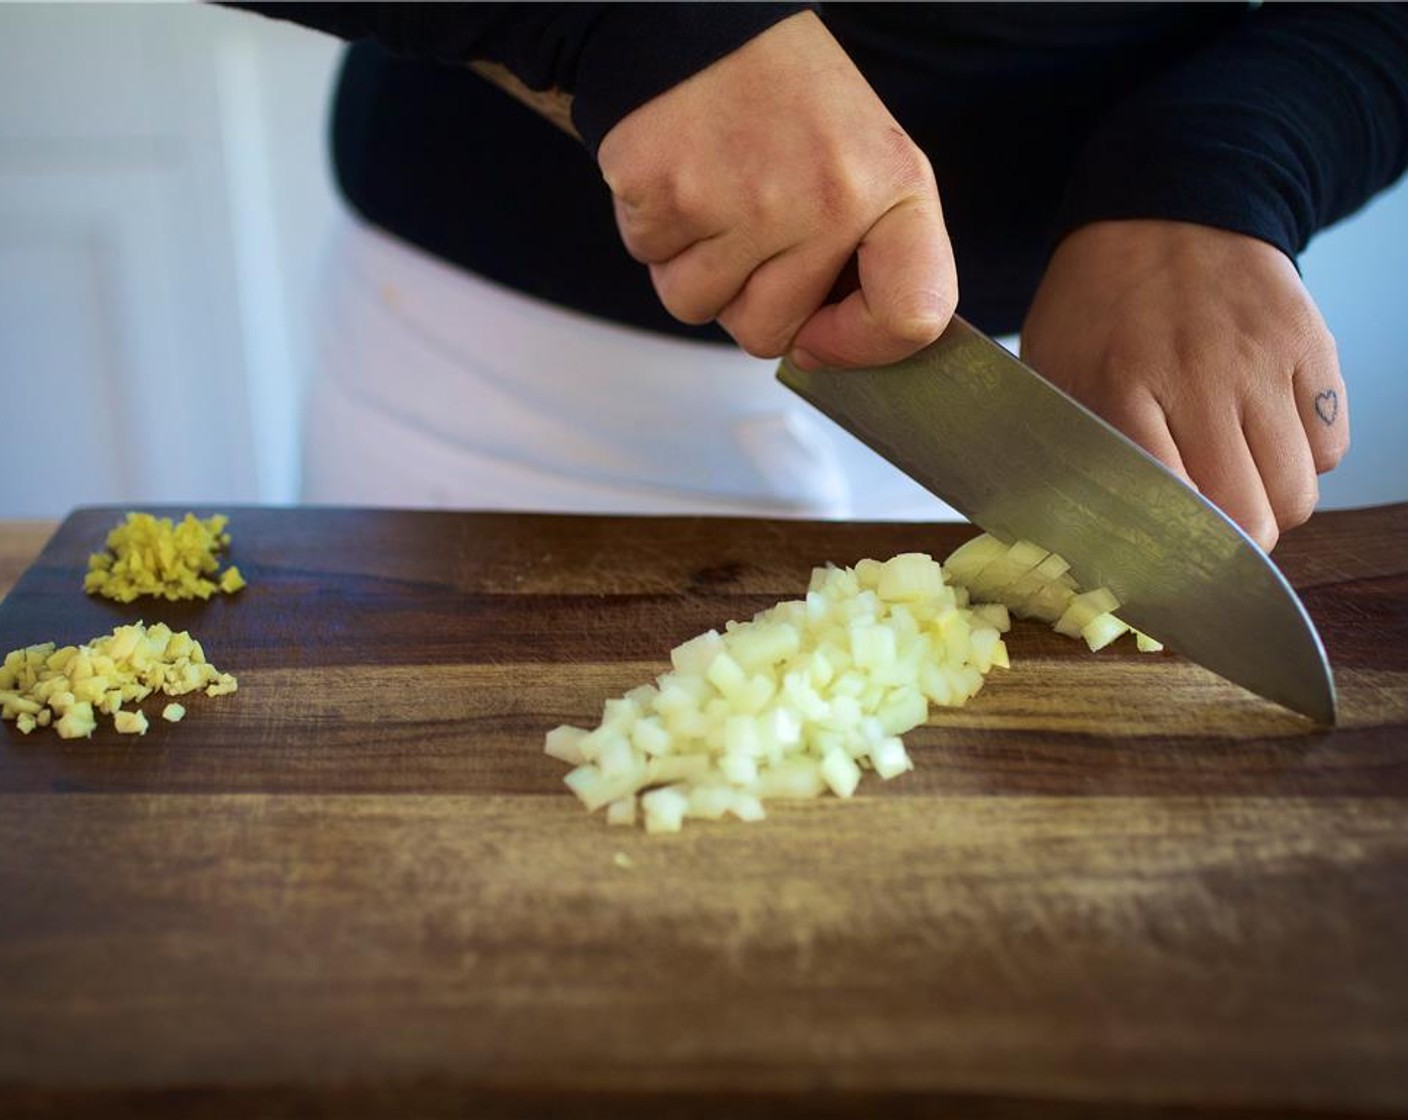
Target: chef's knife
[{"x": 1022, "y": 460}]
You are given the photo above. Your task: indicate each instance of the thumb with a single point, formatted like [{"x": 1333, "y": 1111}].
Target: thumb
[{"x": 907, "y": 295}]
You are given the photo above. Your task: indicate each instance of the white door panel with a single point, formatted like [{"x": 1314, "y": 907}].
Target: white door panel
[
  {"x": 113, "y": 328},
  {"x": 151, "y": 161},
  {"x": 61, "y": 415}
]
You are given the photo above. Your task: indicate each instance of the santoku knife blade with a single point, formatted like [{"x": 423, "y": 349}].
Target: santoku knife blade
[{"x": 1022, "y": 460}]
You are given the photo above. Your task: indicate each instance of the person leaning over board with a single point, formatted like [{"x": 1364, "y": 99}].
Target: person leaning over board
[{"x": 530, "y": 303}]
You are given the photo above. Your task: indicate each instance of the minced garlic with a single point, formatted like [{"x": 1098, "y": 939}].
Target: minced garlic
[
  {"x": 69, "y": 687},
  {"x": 152, "y": 556}
]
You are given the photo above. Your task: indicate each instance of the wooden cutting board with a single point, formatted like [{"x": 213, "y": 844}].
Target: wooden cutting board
[{"x": 1115, "y": 886}]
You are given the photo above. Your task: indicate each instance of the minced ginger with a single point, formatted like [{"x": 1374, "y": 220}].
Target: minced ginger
[
  {"x": 152, "y": 556},
  {"x": 69, "y": 687}
]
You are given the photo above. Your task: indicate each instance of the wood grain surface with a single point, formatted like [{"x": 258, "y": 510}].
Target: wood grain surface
[{"x": 1115, "y": 885}]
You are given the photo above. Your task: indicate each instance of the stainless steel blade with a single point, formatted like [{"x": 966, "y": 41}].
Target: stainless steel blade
[{"x": 1022, "y": 460}]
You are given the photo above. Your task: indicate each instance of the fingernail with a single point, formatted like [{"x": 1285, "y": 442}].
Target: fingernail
[{"x": 804, "y": 360}]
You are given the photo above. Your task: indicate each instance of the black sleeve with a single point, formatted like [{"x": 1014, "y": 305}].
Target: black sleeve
[
  {"x": 612, "y": 57},
  {"x": 1292, "y": 121}
]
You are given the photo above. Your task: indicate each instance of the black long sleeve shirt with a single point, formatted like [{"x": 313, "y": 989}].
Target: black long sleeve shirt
[{"x": 1273, "y": 121}]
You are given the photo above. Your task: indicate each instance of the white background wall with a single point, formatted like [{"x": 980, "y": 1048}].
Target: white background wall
[
  {"x": 163, "y": 196},
  {"x": 164, "y": 193}
]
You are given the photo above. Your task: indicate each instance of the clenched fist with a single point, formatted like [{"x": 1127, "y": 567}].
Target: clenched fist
[{"x": 749, "y": 187}]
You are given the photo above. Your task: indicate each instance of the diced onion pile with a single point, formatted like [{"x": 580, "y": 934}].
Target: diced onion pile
[
  {"x": 69, "y": 687},
  {"x": 152, "y": 556},
  {"x": 811, "y": 693}
]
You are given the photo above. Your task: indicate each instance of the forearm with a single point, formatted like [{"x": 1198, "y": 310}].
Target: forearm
[
  {"x": 584, "y": 66},
  {"x": 1288, "y": 124}
]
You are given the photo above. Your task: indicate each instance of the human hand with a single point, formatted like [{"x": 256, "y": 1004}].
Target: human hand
[
  {"x": 747, "y": 189},
  {"x": 1204, "y": 347}
]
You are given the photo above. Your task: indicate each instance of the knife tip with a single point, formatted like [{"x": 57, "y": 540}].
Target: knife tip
[{"x": 1320, "y": 706}]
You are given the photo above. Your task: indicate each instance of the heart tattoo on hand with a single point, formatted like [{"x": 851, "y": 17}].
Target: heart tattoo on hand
[{"x": 1327, "y": 406}]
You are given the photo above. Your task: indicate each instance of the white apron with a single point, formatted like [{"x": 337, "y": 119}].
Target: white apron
[{"x": 436, "y": 388}]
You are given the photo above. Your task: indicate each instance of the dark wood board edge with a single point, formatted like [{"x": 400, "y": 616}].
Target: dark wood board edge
[{"x": 435, "y": 1101}]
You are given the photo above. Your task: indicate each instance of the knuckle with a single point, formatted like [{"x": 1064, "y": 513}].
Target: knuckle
[
  {"x": 685, "y": 301},
  {"x": 690, "y": 314},
  {"x": 759, "y": 347},
  {"x": 655, "y": 218},
  {"x": 860, "y": 188},
  {"x": 1308, "y": 327},
  {"x": 685, "y": 197},
  {"x": 642, "y": 248},
  {"x": 843, "y": 199},
  {"x": 1262, "y": 528},
  {"x": 1328, "y": 454},
  {"x": 631, "y": 182},
  {"x": 1252, "y": 513},
  {"x": 946, "y": 302},
  {"x": 1329, "y": 345},
  {"x": 770, "y": 202},
  {"x": 768, "y": 342},
  {"x": 905, "y": 160},
  {"x": 918, "y": 174},
  {"x": 1305, "y": 340},
  {"x": 689, "y": 311},
  {"x": 646, "y": 240},
  {"x": 1296, "y": 508},
  {"x": 919, "y": 315},
  {"x": 757, "y": 339}
]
